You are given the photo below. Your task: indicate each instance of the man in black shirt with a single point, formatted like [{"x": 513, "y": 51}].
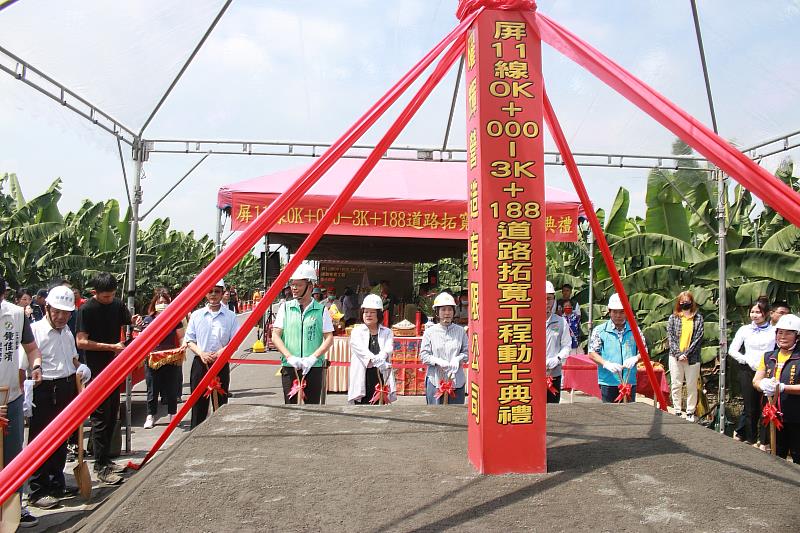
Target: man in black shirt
[{"x": 100, "y": 321}]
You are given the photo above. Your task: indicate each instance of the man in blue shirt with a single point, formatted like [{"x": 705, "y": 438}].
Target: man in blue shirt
[
  {"x": 210, "y": 329},
  {"x": 613, "y": 348}
]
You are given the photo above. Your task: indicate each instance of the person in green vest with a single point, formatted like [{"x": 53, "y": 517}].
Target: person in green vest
[{"x": 302, "y": 332}]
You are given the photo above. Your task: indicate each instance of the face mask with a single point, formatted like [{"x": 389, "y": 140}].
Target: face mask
[
  {"x": 331, "y": 297},
  {"x": 686, "y": 306},
  {"x": 160, "y": 307}
]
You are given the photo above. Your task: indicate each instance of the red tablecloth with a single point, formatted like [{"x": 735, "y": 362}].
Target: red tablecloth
[{"x": 580, "y": 373}]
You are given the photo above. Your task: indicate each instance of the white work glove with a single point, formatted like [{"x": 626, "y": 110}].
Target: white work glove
[
  {"x": 768, "y": 386},
  {"x": 552, "y": 363},
  {"x": 377, "y": 359},
  {"x": 294, "y": 362},
  {"x": 85, "y": 373},
  {"x": 27, "y": 401},
  {"x": 307, "y": 363},
  {"x": 631, "y": 361},
  {"x": 438, "y": 361},
  {"x": 382, "y": 364},
  {"x": 614, "y": 368}
]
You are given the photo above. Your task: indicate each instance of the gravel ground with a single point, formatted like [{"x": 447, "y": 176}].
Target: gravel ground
[{"x": 629, "y": 467}]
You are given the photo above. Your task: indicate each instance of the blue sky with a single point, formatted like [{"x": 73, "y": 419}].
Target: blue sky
[{"x": 305, "y": 70}]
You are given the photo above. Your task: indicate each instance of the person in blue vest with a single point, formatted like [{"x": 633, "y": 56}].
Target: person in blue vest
[
  {"x": 778, "y": 377},
  {"x": 303, "y": 333},
  {"x": 614, "y": 350}
]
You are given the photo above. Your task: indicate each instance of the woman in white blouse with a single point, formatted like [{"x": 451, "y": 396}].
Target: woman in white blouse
[
  {"x": 756, "y": 338},
  {"x": 371, "y": 346}
]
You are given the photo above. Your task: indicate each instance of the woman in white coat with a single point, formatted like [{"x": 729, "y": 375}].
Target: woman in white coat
[{"x": 371, "y": 346}]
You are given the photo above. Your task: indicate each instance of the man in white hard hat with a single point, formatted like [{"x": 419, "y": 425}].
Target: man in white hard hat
[
  {"x": 613, "y": 348},
  {"x": 58, "y": 388},
  {"x": 302, "y": 333},
  {"x": 209, "y": 331},
  {"x": 558, "y": 344},
  {"x": 444, "y": 348},
  {"x": 16, "y": 332},
  {"x": 778, "y": 376}
]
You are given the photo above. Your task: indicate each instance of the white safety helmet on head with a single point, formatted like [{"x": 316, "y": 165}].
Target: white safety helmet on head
[
  {"x": 220, "y": 283},
  {"x": 791, "y": 322},
  {"x": 443, "y": 299},
  {"x": 548, "y": 288},
  {"x": 614, "y": 302},
  {"x": 305, "y": 271},
  {"x": 372, "y": 301},
  {"x": 62, "y": 298}
]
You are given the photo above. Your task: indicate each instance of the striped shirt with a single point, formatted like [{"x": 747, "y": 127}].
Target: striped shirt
[{"x": 445, "y": 343}]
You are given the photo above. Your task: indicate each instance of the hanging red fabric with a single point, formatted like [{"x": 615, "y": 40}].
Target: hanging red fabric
[
  {"x": 468, "y": 7},
  {"x": 445, "y": 387},
  {"x": 298, "y": 387},
  {"x": 752, "y": 177},
  {"x": 216, "y": 385},
  {"x": 625, "y": 391},
  {"x": 550, "y": 386},
  {"x": 381, "y": 394}
]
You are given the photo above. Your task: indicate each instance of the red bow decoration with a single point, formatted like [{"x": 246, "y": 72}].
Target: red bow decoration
[
  {"x": 771, "y": 414},
  {"x": 216, "y": 385},
  {"x": 381, "y": 394},
  {"x": 550, "y": 386},
  {"x": 624, "y": 393},
  {"x": 445, "y": 387},
  {"x": 4, "y": 425},
  {"x": 298, "y": 387}
]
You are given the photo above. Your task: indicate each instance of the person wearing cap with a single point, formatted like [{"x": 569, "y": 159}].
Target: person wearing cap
[
  {"x": 685, "y": 337},
  {"x": 17, "y": 332},
  {"x": 558, "y": 344},
  {"x": 209, "y": 331},
  {"x": 57, "y": 389},
  {"x": 371, "y": 346},
  {"x": 778, "y": 377},
  {"x": 37, "y": 307},
  {"x": 574, "y": 325},
  {"x": 566, "y": 297},
  {"x": 316, "y": 294},
  {"x": 302, "y": 333},
  {"x": 100, "y": 322},
  {"x": 444, "y": 348},
  {"x": 613, "y": 348}
]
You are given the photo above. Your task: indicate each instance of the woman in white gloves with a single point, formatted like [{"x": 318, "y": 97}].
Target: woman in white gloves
[
  {"x": 371, "y": 346},
  {"x": 756, "y": 339},
  {"x": 444, "y": 349},
  {"x": 778, "y": 377}
]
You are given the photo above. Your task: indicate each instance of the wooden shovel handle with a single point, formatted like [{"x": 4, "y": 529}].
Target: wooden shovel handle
[{"x": 79, "y": 385}]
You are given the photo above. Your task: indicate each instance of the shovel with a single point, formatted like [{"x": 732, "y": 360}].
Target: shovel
[
  {"x": 11, "y": 510},
  {"x": 81, "y": 470}
]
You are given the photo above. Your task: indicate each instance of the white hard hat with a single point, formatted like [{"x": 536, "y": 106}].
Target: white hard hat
[
  {"x": 372, "y": 301},
  {"x": 62, "y": 298},
  {"x": 443, "y": 299},
  {"x": 220, "y": 283},
  {"x": 614, "y": 302},
  {"x": 548, "y": 288},
  {"x": 791, "y": 322},
  {"x": 305, "y": 271}
]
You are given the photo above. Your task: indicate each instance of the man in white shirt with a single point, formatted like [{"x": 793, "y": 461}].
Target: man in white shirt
[
  {"x": 57, "y": 389},
  {"x": 558, "y": 345},
  {"x": 16, "y": 331},
  {"x": 210, "y": 329}
]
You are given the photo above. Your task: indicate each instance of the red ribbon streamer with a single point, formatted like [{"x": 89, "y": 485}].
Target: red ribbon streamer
[
  {"x": 297, "y": 387},
  {"x": 467, "y": 7},
  {"x": 445, "y": 387},
  {"x": 624, "y": 392},
  {"x": 550, "y": 386},
  {"x": 381, "y": 394},
  {"x": 771, "y": 414},
  {"x": 216, "y": 385}
]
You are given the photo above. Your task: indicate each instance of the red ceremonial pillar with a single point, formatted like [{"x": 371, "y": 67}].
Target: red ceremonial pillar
[{"x": 506, "y": 247}]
